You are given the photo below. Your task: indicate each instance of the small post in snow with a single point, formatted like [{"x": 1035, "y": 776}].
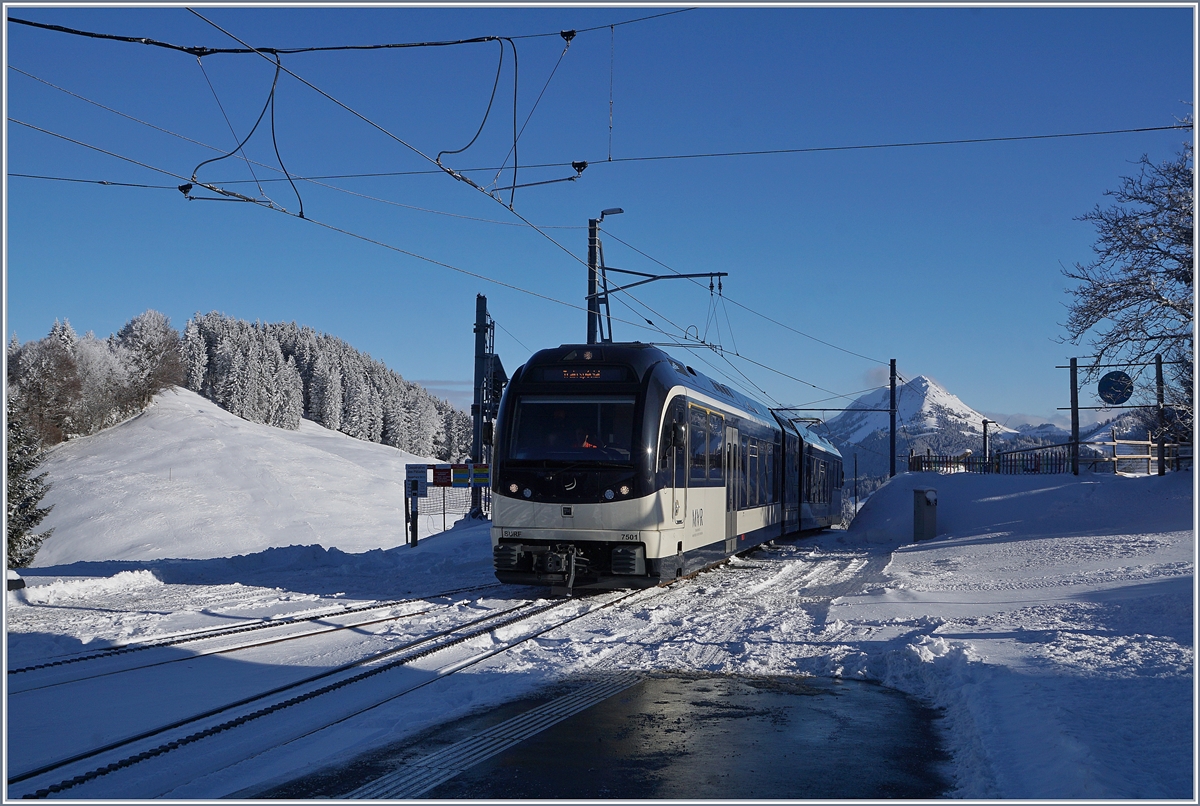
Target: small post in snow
[
  {"x": 856, "y": 484},
  {"x": 1162, "y": 418},
  {"x": 1075, "y": 416},
  {"x": 412, "y": 501},
  {"x": 892, "y": 431}
]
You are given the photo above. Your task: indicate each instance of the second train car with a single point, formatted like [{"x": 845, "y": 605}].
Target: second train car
[{"x": 617, "y": 466}]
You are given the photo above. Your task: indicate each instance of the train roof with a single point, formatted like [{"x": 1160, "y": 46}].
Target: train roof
[
  {"x": 641, "y": 357},
  {"x": 813, "y": 438}
]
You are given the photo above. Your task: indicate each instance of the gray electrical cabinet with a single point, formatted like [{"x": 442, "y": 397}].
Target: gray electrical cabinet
[{"x": 924, "y": 513}]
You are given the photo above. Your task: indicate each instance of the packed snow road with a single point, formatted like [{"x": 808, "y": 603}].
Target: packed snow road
[{"x": 1050, "y": 622}]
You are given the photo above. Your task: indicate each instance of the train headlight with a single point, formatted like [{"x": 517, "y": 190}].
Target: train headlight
[
  {"x": 527, "y": 492},
  {"x": 608, "y": 495},
  {"x": 512, "y": 488},
  {"x": 624, "y": 489}
]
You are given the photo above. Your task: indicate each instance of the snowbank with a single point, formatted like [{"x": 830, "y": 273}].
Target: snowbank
[
  {"x": 972, "y": 505},
  {"x": 1052, "y": 620}
]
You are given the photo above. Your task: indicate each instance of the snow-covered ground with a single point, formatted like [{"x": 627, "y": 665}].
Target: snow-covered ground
[{"x": 1051, "y": 619}]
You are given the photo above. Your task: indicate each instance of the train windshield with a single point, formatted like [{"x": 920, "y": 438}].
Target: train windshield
[{"x": 577, "y": 428}]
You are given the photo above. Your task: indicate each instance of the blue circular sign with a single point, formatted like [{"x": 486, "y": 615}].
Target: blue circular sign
[{"x": 1115, "y": 388}]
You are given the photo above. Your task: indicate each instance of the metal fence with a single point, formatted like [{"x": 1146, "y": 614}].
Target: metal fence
[
  {"x": 1016, "y": 463},
  {"x": 1123, "y": 456},
  {"x": 441, "y": 507}
]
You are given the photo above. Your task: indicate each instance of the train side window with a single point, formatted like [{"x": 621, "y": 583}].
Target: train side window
[
  {"x": 716, "y": 448},
  {"x": 742, "y": 493},
  {"x": 698, "y": 446},
  {"x": 764, "y": 461},
  {"x": 821, "y": 488},
  {"x": 752, "y": 464},
  {"x": 771, "y": 474}
]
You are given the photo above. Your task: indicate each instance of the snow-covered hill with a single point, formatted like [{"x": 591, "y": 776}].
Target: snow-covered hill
[
  {"x": 1046, "y": 432},
  {"x": 187, "y": 479}
]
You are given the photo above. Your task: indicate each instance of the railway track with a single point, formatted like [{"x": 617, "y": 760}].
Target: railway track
[
  {"x": 170, "y": 740},
  {"x": 174, "y": 639},
  {"x": 99, "y": 664}
]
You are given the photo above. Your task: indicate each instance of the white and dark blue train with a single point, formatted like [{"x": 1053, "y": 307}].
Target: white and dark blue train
[{"x": 617, "y": 466}]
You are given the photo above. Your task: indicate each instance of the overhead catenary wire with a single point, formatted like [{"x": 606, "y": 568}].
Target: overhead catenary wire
[
  {"x": 240, "y": 145},
  {"x": 782, "y": 151},
  {"x": 612, "y": 57},
  {"x": 246, "y": 49},
  {"x": 568, "y": 36},
  {"x": 275, "y": 143},
  {"x": 510, "y": 335},
  {"x": 311, "y": 179},
  {"x": 276, "y": 208},
  {"x": 201, "y": 51},
  {"x": 97, "y": 148},
  {"x": 747, "y": 308},
  {"x": 538, "y": 165},
  {"x": 486, "y": 113},
  {"x": 229, "y": 123},
  {"x": 207, "y": 51},
  {"x": 329, "y": 97},
  {"x": 456, "y": 174},
  {"x": 609, "y": 24},
  {"x": 95, "y": 182}
]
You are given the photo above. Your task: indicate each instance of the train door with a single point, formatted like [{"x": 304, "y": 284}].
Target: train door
[
  {"x": 676, "y": 460},
  {"x": 679, "y": 465},
  {"x": 733, "y": 463}
]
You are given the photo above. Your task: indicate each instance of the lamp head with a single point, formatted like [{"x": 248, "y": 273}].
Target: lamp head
[{"x": 610, "y": 211}]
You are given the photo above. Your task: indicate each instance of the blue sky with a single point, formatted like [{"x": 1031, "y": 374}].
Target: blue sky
[{"x": 946, "y": 258}]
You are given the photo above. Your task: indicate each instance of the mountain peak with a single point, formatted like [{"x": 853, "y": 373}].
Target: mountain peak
[{"x": 923, "y": 407}]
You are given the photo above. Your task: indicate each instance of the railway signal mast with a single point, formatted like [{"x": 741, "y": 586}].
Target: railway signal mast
[{"x": 490, "y": 380}]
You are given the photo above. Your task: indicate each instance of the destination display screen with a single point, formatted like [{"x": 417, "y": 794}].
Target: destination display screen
[{"x": 595, "y": 374}]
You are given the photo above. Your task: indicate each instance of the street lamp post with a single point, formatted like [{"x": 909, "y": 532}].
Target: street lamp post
[
  {"x": 986, "y": 453},
  {"x": 593, "y": 299}
]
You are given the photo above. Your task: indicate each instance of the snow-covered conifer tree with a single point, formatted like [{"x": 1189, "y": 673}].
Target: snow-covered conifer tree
[
  {"x": 43, "y": 381},
  {"x": 152, "y": 349},
  {"x": 194, "y": 354},
  {"x": 64, "y": 334},
  {"x": 288, "y": 401},
  {"x": 25, "y": 492}
]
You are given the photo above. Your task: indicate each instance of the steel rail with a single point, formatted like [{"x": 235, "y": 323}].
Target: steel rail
[{"x": 216, "y": 632}]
